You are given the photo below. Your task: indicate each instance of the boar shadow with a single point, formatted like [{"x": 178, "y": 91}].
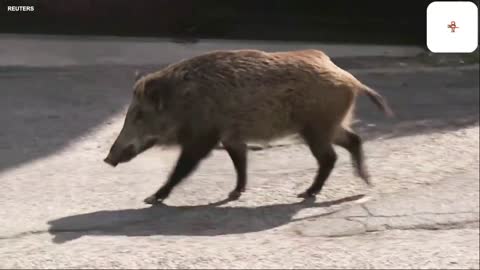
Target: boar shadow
[{"x": 201, "y": 220}]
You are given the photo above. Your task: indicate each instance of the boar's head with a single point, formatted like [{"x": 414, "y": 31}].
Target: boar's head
[{"x": 147, "y": 122}]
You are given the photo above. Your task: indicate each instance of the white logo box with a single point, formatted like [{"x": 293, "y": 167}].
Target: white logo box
[{"x": 440, "y": 38}]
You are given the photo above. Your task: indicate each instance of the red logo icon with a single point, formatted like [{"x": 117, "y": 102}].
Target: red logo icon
[{"x": 452, "y": 26}]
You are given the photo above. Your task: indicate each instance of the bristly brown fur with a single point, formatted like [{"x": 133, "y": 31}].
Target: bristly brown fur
[
  {"x": 255, "y": 95},
  {"x": 241, "y": 96}
]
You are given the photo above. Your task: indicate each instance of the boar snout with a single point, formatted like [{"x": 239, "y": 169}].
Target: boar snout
[
  {"x": 119, "y": 154},
  {"x": 110, "y": 161}
]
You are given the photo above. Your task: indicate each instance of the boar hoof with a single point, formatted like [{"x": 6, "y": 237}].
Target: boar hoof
[
  {"x": 306, "y": 195},
  {"x": 234, "y": 195},
  {"x": 152, "y": 200}
]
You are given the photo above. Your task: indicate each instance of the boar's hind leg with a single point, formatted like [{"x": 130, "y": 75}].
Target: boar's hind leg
[
  {"x": 191, "y": 155},
  {"x": 353, "y": 143},
  {"x": 238, "y": 153},
  {"x": 322, "y": 149}
]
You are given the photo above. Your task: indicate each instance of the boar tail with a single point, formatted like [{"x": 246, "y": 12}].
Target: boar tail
[{"x": 378, "y": 100}]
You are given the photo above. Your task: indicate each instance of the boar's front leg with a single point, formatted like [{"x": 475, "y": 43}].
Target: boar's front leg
[
  {"x": 192, "y": 153},
  {"x": 237, "y": 151}
]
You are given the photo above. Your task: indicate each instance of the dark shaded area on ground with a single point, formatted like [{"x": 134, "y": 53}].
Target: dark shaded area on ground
[
  {"x": 424, "y": 102},
  {"x": 42, "y": 110},
  {"x": 186, "y": 20}
]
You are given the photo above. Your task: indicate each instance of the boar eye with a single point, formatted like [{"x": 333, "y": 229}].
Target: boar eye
[{"x": 138, "y": 116}]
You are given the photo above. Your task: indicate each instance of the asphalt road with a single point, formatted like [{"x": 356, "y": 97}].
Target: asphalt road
[{"x": 62, "y": 207}]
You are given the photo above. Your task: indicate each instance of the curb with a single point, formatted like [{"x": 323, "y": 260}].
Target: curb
[
  {"x": 43, "y": 51},
  {"x": 413, "y": 69}
]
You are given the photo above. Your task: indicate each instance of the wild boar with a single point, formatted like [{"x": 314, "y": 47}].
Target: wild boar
[{"x": 240, "y": 96}]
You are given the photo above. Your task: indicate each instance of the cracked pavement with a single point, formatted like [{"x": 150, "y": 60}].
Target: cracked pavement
[{"x": 62, "y": 207}]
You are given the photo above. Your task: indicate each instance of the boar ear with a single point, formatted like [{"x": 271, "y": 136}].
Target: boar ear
[
  {"x": 138, "y": 75},
  {"x": 157, "y": 92}
]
